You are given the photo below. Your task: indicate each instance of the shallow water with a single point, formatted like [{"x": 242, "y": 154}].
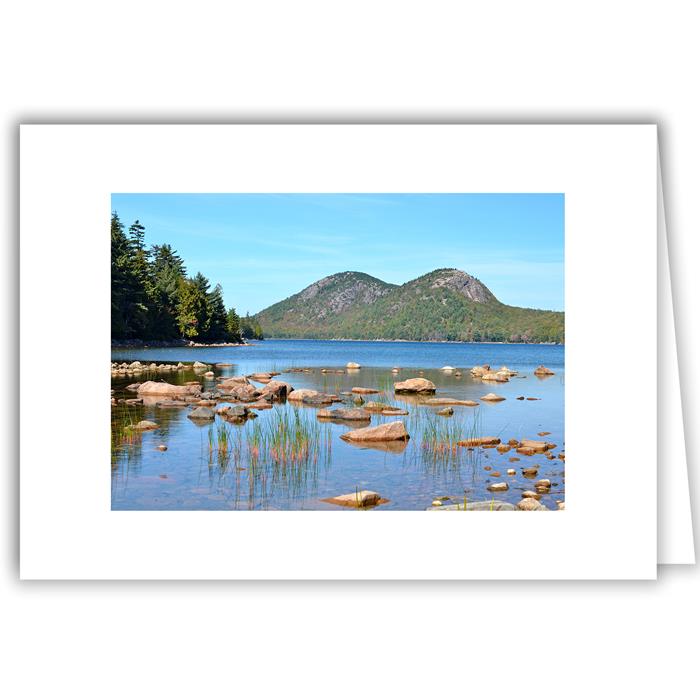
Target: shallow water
[{"x": 190, "y": 477}]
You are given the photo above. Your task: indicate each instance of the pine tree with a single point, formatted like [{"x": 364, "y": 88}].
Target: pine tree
[
  {"x": 129, "y": 297},
  {"x": 168, "y": 270},
  {"x": 192, "y": 309},
  {"x": 233, "y": 325},
  {"x": 216, "y": 312}
]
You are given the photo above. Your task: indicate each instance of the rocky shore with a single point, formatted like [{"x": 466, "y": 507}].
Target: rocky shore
[{"x": 177, "y": 343}]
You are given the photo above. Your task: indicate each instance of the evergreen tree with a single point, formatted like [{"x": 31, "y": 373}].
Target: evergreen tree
[
  {"x": 168, "y": 270},
  {"x": 250, "y": 328},
  {"x": 191, "y": 310},
  {"x": 233, "y": 325},
  {"x": 216, "y": 312},
  {"x": 129, "y": 297}
]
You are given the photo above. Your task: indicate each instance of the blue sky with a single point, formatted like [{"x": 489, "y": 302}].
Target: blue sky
[{"x": 263, "y": 248}]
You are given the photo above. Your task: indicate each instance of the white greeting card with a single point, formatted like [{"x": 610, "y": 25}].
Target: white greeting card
[{"x": 457, "y": 377}]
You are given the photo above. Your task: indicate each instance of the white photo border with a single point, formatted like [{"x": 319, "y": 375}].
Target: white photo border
[{"x": 608, "y": 176}]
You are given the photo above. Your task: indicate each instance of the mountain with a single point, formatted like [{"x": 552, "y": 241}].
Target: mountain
[{"x": 446, "y": 304}]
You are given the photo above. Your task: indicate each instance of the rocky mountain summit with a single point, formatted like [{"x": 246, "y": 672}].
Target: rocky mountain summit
[{"x": 445, "y": 304}]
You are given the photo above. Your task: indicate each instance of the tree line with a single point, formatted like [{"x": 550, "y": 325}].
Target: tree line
[{"x": 153, "y": 298}]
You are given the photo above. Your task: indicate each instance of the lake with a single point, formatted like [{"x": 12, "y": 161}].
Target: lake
[{"x": 250, "y": 475}]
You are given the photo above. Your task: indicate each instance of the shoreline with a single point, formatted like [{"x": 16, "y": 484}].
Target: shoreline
[
  {"x": 137, "y": 343},
  {"x": 402, "y": 340}
]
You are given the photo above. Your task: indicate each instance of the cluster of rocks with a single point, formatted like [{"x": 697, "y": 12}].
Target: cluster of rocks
[
  {"x": 136, "y": 367},
  {"x": 486, "y": 374}
]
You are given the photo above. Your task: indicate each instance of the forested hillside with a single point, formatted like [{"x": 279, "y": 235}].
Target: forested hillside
[
  {"x": 446, "y": 304},
  {"x": 153, "y": 298}
]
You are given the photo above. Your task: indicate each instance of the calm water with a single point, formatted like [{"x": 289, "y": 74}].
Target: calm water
[{"x": 186, "y": 477}]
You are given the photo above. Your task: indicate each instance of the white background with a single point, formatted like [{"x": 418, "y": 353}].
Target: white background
[
  {"x": 461, "y": 61},
  {"x": 609, "y": 210}
]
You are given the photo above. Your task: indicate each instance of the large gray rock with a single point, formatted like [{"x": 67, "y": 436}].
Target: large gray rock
[{"x": 202, "y": 413}]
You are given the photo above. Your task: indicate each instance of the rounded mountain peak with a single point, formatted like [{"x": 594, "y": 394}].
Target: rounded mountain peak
[{"x": 460, "y": 282}]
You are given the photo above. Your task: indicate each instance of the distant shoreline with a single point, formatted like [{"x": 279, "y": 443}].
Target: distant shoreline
[
  {"x": 116, "y": 344},
  {"x": 403, "y": 340}
]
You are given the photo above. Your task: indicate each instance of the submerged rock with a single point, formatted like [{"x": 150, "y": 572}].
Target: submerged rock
[
  {"x": 358, "y": 499},
  {"x": 492, "y": 397},
  {"x": 202, "y": 413},
  {"x": 354, "y": 414},
  {"x": 319, "y": 399},
  {"x": 171, "y": 404},
  {"x": 379, "y": 433},
  {"x": 376, "y": 406},
  {"x": 416, "y": 385},
  {"x": 449, "y": 411},
  {"x": 145, "y": 425},
  {"x": 391, "y": 411},
  {"x": 543, "y": 371},
  {"x": 476, "y": 506},
  {"x": 445, "y": 401},
  {"x": 364, "y": 390},
  {"x": 537, "y": 445},
  {"x": 260, "y": 405},
  {"x": 301, "y": 394},
  {"x": 479, "y": 441},
  {"x": 260, "y": 377},
  {"x": 495, "y": 377}
]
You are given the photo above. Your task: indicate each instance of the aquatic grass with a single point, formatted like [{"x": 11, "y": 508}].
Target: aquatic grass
[
  {"x": 437, "y": 438},
  {"x": 122, "y": 418}
]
